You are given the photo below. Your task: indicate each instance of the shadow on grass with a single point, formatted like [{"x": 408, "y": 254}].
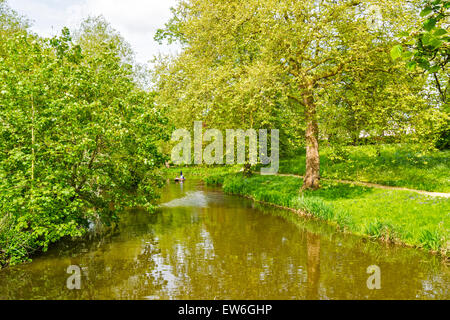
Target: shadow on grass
[{"x": 335, "y": 191}]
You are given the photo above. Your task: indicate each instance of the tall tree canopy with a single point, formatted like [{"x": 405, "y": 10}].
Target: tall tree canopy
[{"x": 322, "y": 64}]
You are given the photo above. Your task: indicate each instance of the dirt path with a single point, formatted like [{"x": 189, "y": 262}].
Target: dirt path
[{"x": 378, "y": 186}]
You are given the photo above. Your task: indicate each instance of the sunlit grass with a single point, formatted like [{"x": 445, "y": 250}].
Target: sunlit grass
[{"x": 390, "y": 165}]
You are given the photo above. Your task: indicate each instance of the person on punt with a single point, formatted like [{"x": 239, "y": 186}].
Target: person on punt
[{"x": 181, "y": 177}]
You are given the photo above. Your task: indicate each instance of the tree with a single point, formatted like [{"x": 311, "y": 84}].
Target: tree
[
  {"x": 429, "y": 47},
  {"x": 241, "y": 60},
  {"x": 78, "y": 138}
]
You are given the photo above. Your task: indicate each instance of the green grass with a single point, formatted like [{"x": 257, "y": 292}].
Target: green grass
[
  {"x": 394, "y": 216},
  {"x": 201, "y": 171},
  {"x": 390, "y": 165}
]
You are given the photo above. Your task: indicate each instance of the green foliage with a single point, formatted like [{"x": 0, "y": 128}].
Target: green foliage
[
  {"x": 251, "y": 64},
  {"x": 380, "y": 230},
  {"x": 429, "y": 47},
  {"x": 11, "y": 21},
  {"x": 431, "y": 239},
  {"x": 78, "y": 138},
  {"x": 443, "y": 143}
]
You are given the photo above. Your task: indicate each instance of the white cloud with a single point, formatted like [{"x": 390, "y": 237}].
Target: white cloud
[{"x": 136, "y": 20}]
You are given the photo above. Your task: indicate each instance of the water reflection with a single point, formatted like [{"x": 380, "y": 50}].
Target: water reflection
[
  {"x": 313, "y": 265},
  {"x": 203, "y": 244}
]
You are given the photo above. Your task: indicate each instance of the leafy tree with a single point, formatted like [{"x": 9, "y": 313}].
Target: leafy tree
[
  {"x": 243, "y": 63},
  {"x": 78, "y": 138}
]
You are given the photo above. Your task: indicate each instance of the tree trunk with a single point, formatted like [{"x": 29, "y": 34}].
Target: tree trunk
[{"x": 312, "y": 176}]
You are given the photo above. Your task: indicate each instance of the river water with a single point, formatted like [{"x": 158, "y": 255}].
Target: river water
[{"x": 203, "y": 244}]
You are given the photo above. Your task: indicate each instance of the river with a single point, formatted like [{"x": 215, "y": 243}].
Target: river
[{"x": 203, "y": 244}]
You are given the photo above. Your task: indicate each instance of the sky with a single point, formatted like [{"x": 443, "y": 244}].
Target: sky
[{"x": 136, "y": 20}]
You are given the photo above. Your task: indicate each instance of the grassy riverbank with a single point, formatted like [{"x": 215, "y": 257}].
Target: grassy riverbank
[
  {"x": 389, "y": 215},
  {"x": 390, "y": 165}
]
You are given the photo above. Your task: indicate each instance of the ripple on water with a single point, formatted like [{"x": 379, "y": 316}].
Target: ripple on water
[{"x": 195, "y": 199}]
